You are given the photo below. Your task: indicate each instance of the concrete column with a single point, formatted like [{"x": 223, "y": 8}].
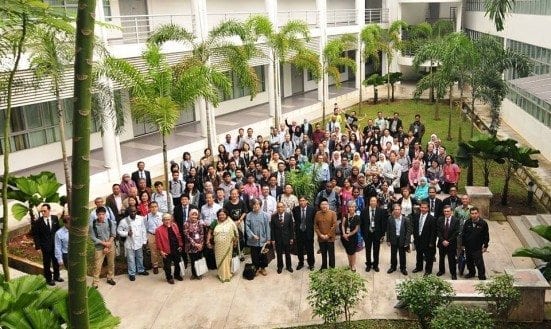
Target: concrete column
[
  {"x": 360, "y": 13},
  {"x": 459, "y": 16},
  {"x": 274, "y": 92},
  {"x": 321, "y": 6}
]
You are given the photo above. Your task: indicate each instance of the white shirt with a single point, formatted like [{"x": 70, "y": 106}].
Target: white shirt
[
  {"x": 137, "y": 226},
  {"x": 208, "y": 214},
  {"x": 422, "y": 218},
  {"x": 271, "y": 204}
]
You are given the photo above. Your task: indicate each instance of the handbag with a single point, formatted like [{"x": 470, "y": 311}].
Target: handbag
[
  {"x": 182, "y": 265},
  {"x": 267, "y": 254},
  {"x": 201, "y": 266},
  {"x": 249, "y": 272},
  {"x": 235, "y": 264}
]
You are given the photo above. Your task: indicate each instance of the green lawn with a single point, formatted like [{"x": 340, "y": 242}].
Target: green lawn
[{"x": 408, "y": 109}]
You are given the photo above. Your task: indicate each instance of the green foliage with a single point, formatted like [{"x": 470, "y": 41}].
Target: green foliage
[
  {"x": 26, "y": 302},
  {"x": 334, "y": 292},
  {"x": 303, "y": 181},
  {"x": 456, "y": 316},
  {"x": 374, "y": 80},
  {"x": 542, "y": 253},
  {"x": 423, "y": 295},
  {"x": 334, "y": 56},
  {"x": 31, "y": 192},
  {"x": 496, "y": 10},
  {"x": 504, "y": 296}
]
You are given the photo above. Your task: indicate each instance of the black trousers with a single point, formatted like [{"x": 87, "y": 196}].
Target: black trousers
[
  {"x": 255, "y": 256},
  {"x": 400, "y": 251},
  {"x": 327, "y": 251},
  {"x": 427, "y": 255},
  {"x": 172, "y": 259},
  {"x": 451, "y": 252},
  {"x": 372, "y": 243},
  {"x": 474, "y": 259},
  {"x": 65, "y": 258},
  {"x": 305, "y": 246},
  {"x": 49, "y": 261},
  {"x": 193, "y": 257},
  {"x": 209, "y": 257},
  {"x": 282, "y": 249}
]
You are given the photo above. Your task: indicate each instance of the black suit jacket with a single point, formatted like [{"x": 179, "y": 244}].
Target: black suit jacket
[
  {"x": 449, "y": 200},
  {"x": 111, "y": 203},
  {"x": 398, "y": 124},
  {"x": 438, "y": 207},
  {"x": 310, "y": 129},
  {"x": 136, "y": 177},
  {"x": 44, "y": 236},
  {"x": 380, "y": 219},
  {"x": 179, "y": 216},
  {"x": 282, "y": 232},
  {"x": 297, "y": 214},
  {"x": 453, "y": 231},
  {"x": 427, "y": 239},
  {"x": 405, "y": 232}
]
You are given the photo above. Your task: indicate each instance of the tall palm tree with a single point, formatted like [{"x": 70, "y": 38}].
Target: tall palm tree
[
  {"x": 377, "y": 39},
  {"x": 160, "y": 94},
  {"x": 20, "y": 20},
  {"x": 286, "y": 44},
  {"x": 80, "y": 164},
  {"x": 215, "y": 55},
  {"x": 497, "y": 9},
  {"x": 334, "y": 58}
]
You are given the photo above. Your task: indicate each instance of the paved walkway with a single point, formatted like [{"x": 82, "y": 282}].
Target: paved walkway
[{"x": 276, "y": 300}]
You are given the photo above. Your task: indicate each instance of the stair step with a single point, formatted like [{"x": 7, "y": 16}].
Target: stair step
[
  {"x": 544, "y": 219},
  {"x": 532, "y": 221}
]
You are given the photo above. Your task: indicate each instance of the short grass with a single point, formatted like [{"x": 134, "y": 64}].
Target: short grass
[{"x": 518, "y": 203}]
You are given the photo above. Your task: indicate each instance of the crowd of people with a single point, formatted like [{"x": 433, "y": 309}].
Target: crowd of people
[{"x": 377, "y": 183}]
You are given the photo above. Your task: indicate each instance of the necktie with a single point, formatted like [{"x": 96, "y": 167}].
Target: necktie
[
  {"x": 447, "y": 228},
  {"x": 372, "y": 219},
  {"x": 48, "y": 224},
  {"x": 141, "y": 174},
  {"x": 281, "y": 218},
  {"x": 185, "y": 213},
  {"x": 281, "y": 180},
  {"x": 432, "y": 205},
  {"x": 421, "y": 224},
  {"x": 265, "y": 204},
  {"x": 303, "y": 220}
]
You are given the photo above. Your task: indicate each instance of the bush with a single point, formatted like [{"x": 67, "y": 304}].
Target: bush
[
  {"x": 504, "y": 296},
  {"x": 304, "y": 182},
  {"x": 334, "y": 292},
  {"x": 457, "y": 316},
  {"x": 423, "y": 295}
]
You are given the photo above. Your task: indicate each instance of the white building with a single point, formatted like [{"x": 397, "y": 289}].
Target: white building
[{"x": 527, "y": 108}]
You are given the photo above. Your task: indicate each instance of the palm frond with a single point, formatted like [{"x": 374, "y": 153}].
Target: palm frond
[
  {"x": 309, "y": 60},
  {"x": 171, "y": 32}
]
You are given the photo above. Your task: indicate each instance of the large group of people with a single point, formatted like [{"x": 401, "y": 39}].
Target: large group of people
[{"x": 377, "y": 183}]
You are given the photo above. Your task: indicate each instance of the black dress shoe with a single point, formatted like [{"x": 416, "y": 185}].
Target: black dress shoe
[
  {"x": 391, "y": 270},
  {"x": 469, "y": 276},
  {"x": 376, "y": 269},
  {"x": 482, "y": 278},
  {"x": 440, "y": 273},
  {"x": 179, "y": 278},
  {"x": 51, "y": 283},
  {"x": 300, "y": 266},
  {"x": 111, "y": 282},
  {"x": 454, "y": 277},
  {"x": 279, "y": 270},
  {"x": 427, "y": 274},
  {"x": 404, "y": 272},
  {"x": 59, "y": 280},
  {"x": 144, "y": 273},
  {"x": 416, "y": 270},
  {"x": 311, "y": 267},
  {"x": 171, "y": 281},
  {"x": 290, "y": 269},
  {"x": 155, "y": 270},
  {"x": 368, "y": 268},
  {"x": 132, "y": 277}
]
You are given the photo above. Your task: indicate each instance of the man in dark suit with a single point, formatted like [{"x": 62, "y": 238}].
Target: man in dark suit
[
  {"x": 304, "y": 232},
  {"x": 373, "y": 225},
  {"x": 181, "y": 212},
  {"x": 114, "y": 202},
  {"x": 142, "y": 173},
  {"x": 282, "y": 236},
  {"x": 435, "y": 204},
  {"x": 394, "y": 124},
  {"x": 448, "y": 231},
  {"x": 307, "y": 129},
  {"x": 424, "y": 238},
  {"x": 398, "y": 236},
  {"x": 43, "y": 231},
  {"x": 453, "y": 200}
]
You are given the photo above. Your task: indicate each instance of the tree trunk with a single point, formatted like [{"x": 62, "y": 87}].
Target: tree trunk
[
  {"x": 323, "y": 102},
  {"x": 431, "y": 89},
  {"x": 165, "y": 171},
  {"x": 449, "y": 137},
  {"x": 210, "y": 142},
  {"x": 486, "y": 172},
  {"x": 375, "y": 95},
  {"x": 473, "y": 115},
  {"x": 7, "y": 148},
  {"x": 505, "y": 192},
  {"x": 78, "y": 232},
  {"x": 360, "y": 94},
  {"x": 61, "y": 115},
  {"x": 470, "y": 172},
  {"x": 437, "y": 110},
  {"x": 392, "y": 97},
  {"x": 277, "y": 96},
  {"x": 388, "y": 81}
]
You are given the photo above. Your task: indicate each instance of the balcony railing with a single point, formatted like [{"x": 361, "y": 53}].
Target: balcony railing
[
  {"x": 309, "y": 16},
  {"x": 341, "y": 17},
  {"x": 377, "y": 15},
  {"x": 137, "y": 28}
]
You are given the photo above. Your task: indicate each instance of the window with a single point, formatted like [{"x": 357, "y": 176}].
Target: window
[
  {"x": 237, "y": 90},
  {"x": 528, "y": 7},
  {"x": 68, "y": 7}
]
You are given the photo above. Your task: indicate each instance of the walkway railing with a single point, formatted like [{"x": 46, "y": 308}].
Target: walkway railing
[
  {"x": 341, "y": 17},
  {"x": 377, "y": 15},
  {"x": 137, "y": 28},
  {"x": 309, "y": 16}
]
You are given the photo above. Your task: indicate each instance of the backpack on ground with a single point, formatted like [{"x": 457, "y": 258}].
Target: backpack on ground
[{"x": 249, "y": 272}]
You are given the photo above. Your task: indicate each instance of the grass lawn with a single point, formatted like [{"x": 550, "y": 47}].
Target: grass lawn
[{"x": 407, "y": 108}]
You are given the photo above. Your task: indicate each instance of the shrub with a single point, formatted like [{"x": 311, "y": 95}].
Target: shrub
[
  {"x": 504, "y": 296},
  {"x": 334, "y": 292},
  {"x": 455, "y": 316},
  {"x": 304, "y": 181},
  {"x": 422, "y": 296}
]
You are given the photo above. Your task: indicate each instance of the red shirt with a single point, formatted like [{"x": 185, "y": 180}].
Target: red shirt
[{"x": 161, "y": 238}]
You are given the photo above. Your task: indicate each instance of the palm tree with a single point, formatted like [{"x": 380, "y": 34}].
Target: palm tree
[
  {"x": 51, "y": 53},
  {"x": 229, "y": 54},
  {"x": 285, "y": 45},
  {"x": 80, "y": 164},
  {"x": 161, "y": 93},
  {"x": 497, "y": 9},
  {"x": 368, "y": 51},
  {"x": 374, "y": 80},
  {"x": 436, "y": 81},
  {"x": 20, "y": 18},
  {"x": 385, "y": 40},
  {"x": 334, "y": 59}
]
